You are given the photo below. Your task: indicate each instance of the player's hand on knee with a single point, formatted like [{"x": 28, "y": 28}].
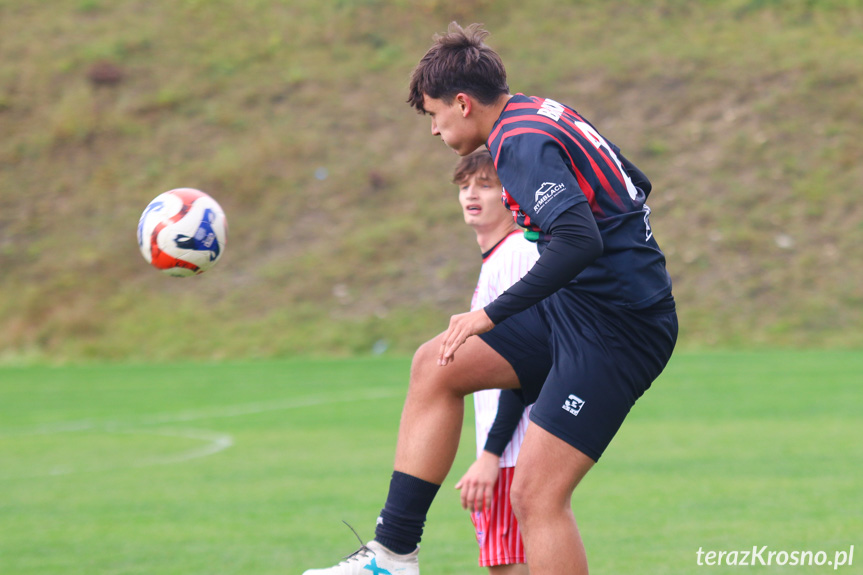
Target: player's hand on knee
[{"x": 461, "y": 327}]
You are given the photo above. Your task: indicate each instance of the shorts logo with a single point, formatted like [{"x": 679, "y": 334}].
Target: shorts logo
[{"x": 573, "y": 404}]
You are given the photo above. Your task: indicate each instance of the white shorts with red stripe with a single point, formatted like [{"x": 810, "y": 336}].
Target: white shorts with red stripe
[{"x": 496, "y": 527}]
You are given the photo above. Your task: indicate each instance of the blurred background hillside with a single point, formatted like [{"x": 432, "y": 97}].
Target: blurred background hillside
[{"x": 345, "y": 233}]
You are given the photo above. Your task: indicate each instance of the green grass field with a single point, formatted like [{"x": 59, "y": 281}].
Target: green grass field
[{"x": 250, "y": 468}]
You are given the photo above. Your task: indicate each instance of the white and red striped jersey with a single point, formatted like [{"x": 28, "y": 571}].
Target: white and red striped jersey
[{"x": 502, "y": 266}]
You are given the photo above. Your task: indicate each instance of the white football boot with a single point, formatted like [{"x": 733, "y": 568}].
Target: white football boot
[{"x": 373, "y": 559}]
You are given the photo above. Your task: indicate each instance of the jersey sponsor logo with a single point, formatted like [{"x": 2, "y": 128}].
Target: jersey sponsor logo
[
  {"x": 573, "y": 404},
  {"x": 546, "y": 192}
]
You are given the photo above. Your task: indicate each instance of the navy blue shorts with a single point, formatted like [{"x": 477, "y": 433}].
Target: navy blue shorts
[{"x": 585, "y": 363}]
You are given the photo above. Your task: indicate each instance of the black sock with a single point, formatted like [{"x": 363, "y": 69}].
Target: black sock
[{"x": 400, "y": 526}]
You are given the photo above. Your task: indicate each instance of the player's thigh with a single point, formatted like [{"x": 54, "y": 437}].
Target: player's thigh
[
  {"x": 476, "y": 366},
  {"x": 523, "y": 340},
  {"x": 547, "y": 472}
]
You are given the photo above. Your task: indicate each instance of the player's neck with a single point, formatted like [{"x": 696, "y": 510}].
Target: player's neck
[
  {"x": 487, "y": 238},
  {"x": 491, "y": 114}
]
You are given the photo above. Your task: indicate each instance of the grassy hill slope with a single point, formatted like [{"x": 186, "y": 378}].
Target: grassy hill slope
[{"x": 344, "y": 228}]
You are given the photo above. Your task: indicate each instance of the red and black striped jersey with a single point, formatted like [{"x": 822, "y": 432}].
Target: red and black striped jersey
[{"x": 549, "y": 158}]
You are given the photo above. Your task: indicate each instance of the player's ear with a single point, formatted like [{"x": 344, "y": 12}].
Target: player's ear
[{"x": 465, "y": 103}]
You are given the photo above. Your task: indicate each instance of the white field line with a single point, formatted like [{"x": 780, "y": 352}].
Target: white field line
[
  {"x": 216, "y": 412},
  {"x": 214, "y": 441}
]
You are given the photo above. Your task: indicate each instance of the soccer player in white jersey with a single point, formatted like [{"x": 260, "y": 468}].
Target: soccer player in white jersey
[{"x": 506, "y": 257}]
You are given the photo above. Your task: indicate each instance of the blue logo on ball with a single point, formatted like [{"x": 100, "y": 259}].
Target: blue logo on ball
[{"x": 204, "y": 240}]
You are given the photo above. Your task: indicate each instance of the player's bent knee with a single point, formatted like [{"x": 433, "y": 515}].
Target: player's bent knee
[
  {"x": 477, "y": 367},
  {"x": 533, "y": 496},
  {"x": 517, "y": 499},
  {"x": 427, "y": 375},
  {"x": 526, "y": 501},
  {"x": 425, "y": 355}
]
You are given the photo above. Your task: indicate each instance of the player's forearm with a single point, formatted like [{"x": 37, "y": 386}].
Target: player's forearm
[
  {"x": 575, "y": 243},
  {"x": 509, "y": 411}
]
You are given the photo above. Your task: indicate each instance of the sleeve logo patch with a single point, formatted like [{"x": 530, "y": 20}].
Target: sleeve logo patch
[{"x": 546, "y": 192}]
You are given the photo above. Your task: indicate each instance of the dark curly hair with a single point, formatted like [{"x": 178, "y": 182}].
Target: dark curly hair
[{"x": 459, "y": 61}]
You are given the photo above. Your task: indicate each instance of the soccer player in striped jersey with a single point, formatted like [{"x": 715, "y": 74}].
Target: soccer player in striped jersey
[
  {"x": 598, "y": 300},
  {"x": 506, "y": 257}
]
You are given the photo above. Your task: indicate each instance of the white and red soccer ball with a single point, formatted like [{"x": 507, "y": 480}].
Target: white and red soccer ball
[{"x": 183, "y": 232}]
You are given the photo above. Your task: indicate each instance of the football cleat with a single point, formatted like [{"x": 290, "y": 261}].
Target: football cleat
[{"x": 373, "y": 559}]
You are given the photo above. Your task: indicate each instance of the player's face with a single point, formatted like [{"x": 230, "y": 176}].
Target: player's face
[
  {"x": 453, "y": 123},
  {"x": 480, "y": 201}
]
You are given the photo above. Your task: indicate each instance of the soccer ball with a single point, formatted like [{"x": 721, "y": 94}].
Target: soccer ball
[{"x": 182, "y": 232}]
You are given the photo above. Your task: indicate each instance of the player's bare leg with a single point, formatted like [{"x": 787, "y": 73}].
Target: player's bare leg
[
  {"x": 428, "y": 440},
  {"x": 514, "y": 569},
  {"x": 548, "y": 471},
  {"x": 434, "y": 408}
]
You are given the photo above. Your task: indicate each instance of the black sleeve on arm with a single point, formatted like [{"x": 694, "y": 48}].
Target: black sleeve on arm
[
  {"x": 509, "y": 411},
  {"x": 575, "y": 243},
  {"x": 637, "y": 176}
]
